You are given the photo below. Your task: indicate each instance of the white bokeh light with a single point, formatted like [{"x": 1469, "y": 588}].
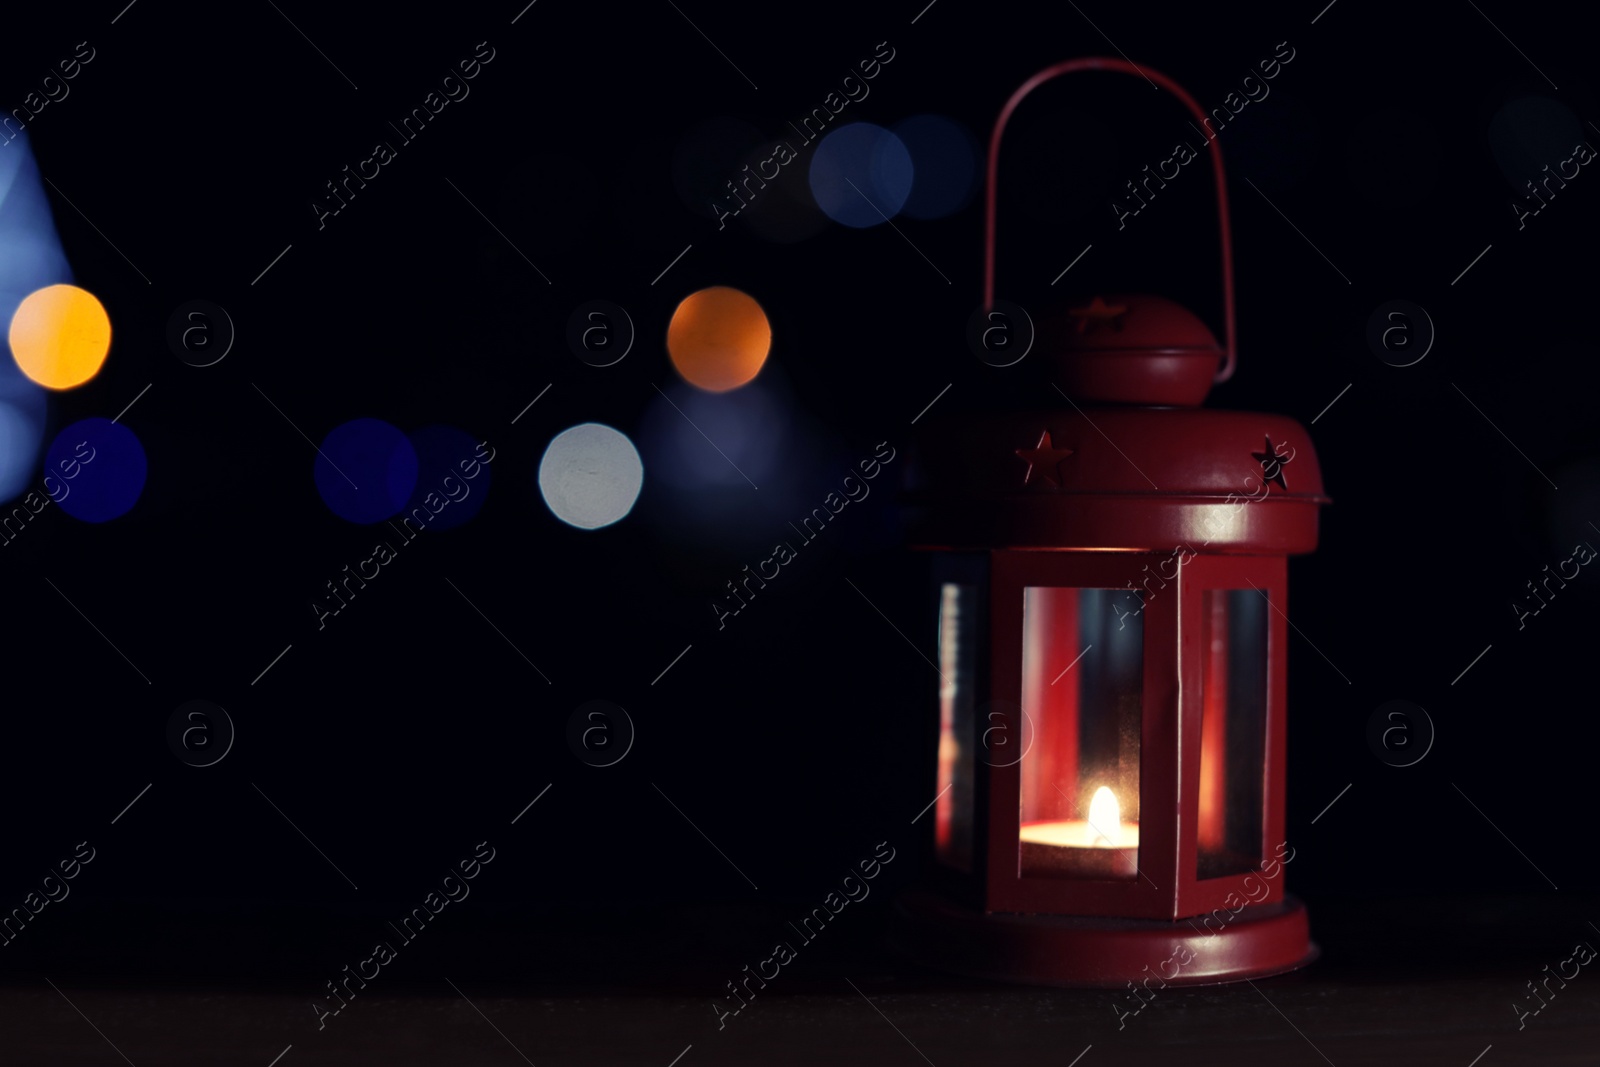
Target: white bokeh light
[{"x": 590, "y": 476}]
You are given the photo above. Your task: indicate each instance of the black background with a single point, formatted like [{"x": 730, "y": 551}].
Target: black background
[{"x": 801, "y": 735}]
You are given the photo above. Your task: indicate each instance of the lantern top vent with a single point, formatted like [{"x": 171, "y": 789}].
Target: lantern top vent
[{"x": 1129, "y": 348}]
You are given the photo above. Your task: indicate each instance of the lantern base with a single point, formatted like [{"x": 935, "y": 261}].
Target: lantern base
[{"x": 1063, "y": 950}]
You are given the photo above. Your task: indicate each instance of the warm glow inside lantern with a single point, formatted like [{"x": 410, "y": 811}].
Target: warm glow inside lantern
[{"x": 1111, "y": 594}]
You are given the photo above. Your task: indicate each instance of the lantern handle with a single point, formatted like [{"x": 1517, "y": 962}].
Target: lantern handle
[{"x": 1107, "y": 63}]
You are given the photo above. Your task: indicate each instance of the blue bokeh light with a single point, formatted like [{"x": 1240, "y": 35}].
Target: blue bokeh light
[
  {"x": 365, "y": 470},
  {"x": 95, "y": 469},
  {"x": 861, "y": 175},
  {"x": 944, "y": 157},
  {"x": 30, "y": 258},
  {"x": 458, "y": 492},
  {"x": 707, "y": 439}
]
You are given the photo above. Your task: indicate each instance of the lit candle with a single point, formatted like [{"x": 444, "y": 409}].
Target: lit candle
[{"x": 1100, "y": 846}]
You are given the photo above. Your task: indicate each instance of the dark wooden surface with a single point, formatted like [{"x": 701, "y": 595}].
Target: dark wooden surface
[{"x": 1419, "y": 982}]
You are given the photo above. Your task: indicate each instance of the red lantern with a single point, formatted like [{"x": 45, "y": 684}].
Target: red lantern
[{"x": 1112, "y": 598}]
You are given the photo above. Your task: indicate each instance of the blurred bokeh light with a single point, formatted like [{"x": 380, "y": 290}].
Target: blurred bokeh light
[
  {"x": 30, "y": 257},
  {"x": 449, "y": 469},
  {"x": 365, "y": 470},
  {"x": 95, "y": 469},
  {"x": 719, "y": 338},
  {"x": 698, "y": 440},
  {"x": 861, "y": 175},
  {"x": 60, "y": 335},
  {"x": 944, "y": 159},
  {"x": 30, "y": 252},
  {"x": 590, "y": 475}
]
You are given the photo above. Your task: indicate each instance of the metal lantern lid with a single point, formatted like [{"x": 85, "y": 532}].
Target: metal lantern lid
[
  {"x": 1130, "y": 348},
  {"x": 1153, "y": 473},
  {"x": 1118, "y": 479}
]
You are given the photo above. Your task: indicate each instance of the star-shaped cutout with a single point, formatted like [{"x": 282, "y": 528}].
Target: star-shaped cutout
[
  {"x": 1271, "y": 465},
  {"x": 1045, "y": 458},
  {"x": 1097, "y": 310}
]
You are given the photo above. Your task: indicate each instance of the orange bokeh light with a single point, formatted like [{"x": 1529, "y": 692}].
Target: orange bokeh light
[
  {"x": 60, "y": 336},
  {"x": 719, "y": 338}
]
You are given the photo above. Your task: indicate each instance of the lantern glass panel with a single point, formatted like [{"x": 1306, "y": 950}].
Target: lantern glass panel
[
  {"x": 959, "y": 634},
  {"x": 1233, "y": 730},
  {"x": 1082, "y": 694}
]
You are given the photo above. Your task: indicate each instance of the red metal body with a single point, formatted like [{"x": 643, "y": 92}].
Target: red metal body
[{"x": 1180, "y": 520}]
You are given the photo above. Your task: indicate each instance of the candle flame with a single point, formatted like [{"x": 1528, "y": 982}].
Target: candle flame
[{"x": 1105, "y": 815}]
